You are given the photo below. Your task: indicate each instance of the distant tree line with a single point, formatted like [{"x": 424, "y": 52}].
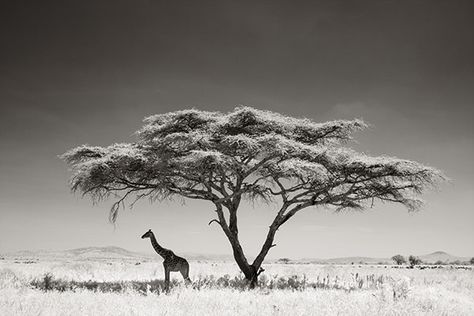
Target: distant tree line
[{"x": 414, "y": 261}]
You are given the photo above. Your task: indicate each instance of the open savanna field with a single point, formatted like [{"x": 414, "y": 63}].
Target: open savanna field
[{"x": 104, "y": 286}]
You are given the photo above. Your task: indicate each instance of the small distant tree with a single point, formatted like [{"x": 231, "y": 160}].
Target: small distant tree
[
  {"x": 399, "y": 259},
  {"x": 471, "y": 261},
  {"x": 225, "y": 158},
  {"x": 284, "y": 260},
  {"x": 439, "y": 263},
  {"x": 414, "y": 261}
]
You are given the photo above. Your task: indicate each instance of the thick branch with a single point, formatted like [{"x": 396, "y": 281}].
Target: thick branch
[{"x": 270, "y": 237}]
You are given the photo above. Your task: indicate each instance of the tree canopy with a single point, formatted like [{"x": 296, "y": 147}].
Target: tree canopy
[{"x": 246, "y": 154}]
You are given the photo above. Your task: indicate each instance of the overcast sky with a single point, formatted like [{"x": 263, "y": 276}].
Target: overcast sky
[{"x": 75, "y": 72}]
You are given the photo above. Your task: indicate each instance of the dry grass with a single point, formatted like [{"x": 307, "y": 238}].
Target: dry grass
[{"x": 127, "y": 288}]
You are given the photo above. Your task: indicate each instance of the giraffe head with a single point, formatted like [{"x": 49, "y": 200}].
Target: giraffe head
[{"x": 147, "y": 234}]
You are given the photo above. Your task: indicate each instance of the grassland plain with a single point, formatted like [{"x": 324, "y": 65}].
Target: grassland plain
[{"x": 134, "y": 287}]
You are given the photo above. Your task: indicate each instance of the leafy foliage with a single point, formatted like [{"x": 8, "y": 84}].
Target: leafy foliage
[
  {"x": 399, "y": 259},
  {"x": 414, "y": 260}
]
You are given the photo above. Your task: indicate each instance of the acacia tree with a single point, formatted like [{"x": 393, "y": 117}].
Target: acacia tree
[
  {"x": 399, "y": 259},
  {"x": 414, "y": 261},
  {"x": 246, "y": 154}
]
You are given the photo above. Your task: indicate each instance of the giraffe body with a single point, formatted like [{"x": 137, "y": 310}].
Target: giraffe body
[{"x": 172, "y": 262}]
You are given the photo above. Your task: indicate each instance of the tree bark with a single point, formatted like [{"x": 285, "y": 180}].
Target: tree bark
[
  {"x": 252, "y": 271},
  {"x": 281, "y": 217},
  {"x": 240, "y": 258},
  {"x": 232, "y": 236},
  {"x": 266, "y": 246}
]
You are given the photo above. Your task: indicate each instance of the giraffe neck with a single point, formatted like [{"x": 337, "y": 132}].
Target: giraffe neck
[{"x": 160, "y": 250}]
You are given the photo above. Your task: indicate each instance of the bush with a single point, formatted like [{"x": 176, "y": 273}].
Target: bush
[
  {"x": 399, "y": 259},
  {"x": 414, "y": 261}
]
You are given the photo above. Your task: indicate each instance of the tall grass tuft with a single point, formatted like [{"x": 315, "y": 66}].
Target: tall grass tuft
[
  {"x": 239, "y": 283},
  {"x": 49, "y": 283}
]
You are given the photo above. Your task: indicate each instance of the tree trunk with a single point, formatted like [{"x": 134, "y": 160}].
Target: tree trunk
[
  {"x": 240, "y": 258},
  {"x": 250, "y": 271},
  {"x": 279, "y": 220},
  {"x": 232, "y": 233},
  {"x": 253, "y": 277},
  {"x": 266, "y": 246}
]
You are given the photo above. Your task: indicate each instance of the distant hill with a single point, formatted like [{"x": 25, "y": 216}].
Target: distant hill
[
  {"x": 206, "y": 257},
  {"x": 103, "y": 252},
  {"x": 108, "y": 252},
  {"x": 113, "y": 252},
  {"x": 355, "y": 260},
  {"x": 346, "y": 260},
  {"x": 442, "y": 256},
  {"x": 429, "y": 258}
]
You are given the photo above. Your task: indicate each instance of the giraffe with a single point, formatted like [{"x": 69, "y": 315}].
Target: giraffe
[{"x": 171, "y": 263}]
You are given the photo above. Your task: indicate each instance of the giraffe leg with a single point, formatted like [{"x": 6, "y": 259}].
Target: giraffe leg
[
  {"x": 167, "y": 278},
  {"x": 185, "y": 273}
]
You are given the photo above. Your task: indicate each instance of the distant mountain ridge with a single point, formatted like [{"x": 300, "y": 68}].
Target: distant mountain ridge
[
  {"x": 85, "y": 252},
  {"x": 429, "y": 258},
  {"x": 442, "y": 256},
  {"x": 114, "y": 252},
  {"x": 106, "y": 252},
  {"x": 347, "y": 260},
  {"x": 109, "y": 251}
]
